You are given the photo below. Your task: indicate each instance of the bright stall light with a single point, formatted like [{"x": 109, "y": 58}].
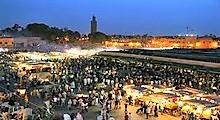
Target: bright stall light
[
  {"x": 199, "y": 110},
  {"x": 180, "y": 103},
  {"x": 89, "y": 52}
]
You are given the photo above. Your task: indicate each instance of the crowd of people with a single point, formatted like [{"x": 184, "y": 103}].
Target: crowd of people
[
  {"x": 101, "y": 80},
  {"x": 13, "y": 106}
]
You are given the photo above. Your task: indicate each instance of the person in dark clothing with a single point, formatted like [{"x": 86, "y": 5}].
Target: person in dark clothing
[
  {"x": 116, "y": 104},
  {"x": 218, "y": 115},
  {"x": 130, "y": 100},
  {"x": 110, "y": 96},
  {"x": 72, "y": 115},
  {"x": 145, "y": 108},
  {"x": 126, "y": 107},
  {"x": 126, "y": 116},
  {"x": 140, "y": 109},
  {"x": 155, "y": 111}
]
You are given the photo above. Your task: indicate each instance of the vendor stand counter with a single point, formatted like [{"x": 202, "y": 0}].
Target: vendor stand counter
[
  {"x": 158, "y": 88},
  {"x": 160, "y": 98},
  {"x": 168, "y": 100},
  {"x": 200, "y": 108}
]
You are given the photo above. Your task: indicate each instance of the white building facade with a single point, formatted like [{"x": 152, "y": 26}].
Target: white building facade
[{"x": 22, "y": 42}]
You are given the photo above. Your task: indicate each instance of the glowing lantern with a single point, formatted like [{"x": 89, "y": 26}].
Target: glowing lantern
[
  {"x": 121, "y": 44},
  {"x": 137, "y": 44},
  {"x": 106, "y": 43},
  {"x": 215, "y": 44},
  {"x": 131, "y": 44},
  {"x": 115, "y": 44},
  {"x": 186, "y": 108},
  {"x": 198, "y": 44},
  {"x": 191, "y": 45},
  {"x": 67, "y": 39},
  {"x": 207, "y": 113},
  {"x": 175, "y": 45},
  {"x": 199, "y": 110},
  {"x": 180, "y": 103},
  {"x": 110, "y": 43}
]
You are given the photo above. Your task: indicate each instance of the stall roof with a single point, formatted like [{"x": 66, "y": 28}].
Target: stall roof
[
  {"x": 212, "y": 97},
  {"x": 139, "y": 88},
  {"x": 189, "y": 91},
  {"x": 159, "y": 86},
  {"x": 184, "y": 92},
  {"x": 201, "y": 102},
  {"x": 165, "y": 95}
]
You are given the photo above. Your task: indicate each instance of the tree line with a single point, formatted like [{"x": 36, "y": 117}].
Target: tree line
[{"x": 52, "y": 34}]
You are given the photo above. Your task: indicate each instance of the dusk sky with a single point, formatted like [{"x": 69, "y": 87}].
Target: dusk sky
[{"x": 155, "y": 17}]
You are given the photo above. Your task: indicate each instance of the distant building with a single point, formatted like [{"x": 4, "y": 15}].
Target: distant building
[
  {"x": 183, "y": 42},
  {"x": 21, "y": 42},
  {"x": 165, "y": 42},
  {"x": 7, "y": 42},
  {"x": 93, "y": 25},
  {"x": 126, "y": 43}
]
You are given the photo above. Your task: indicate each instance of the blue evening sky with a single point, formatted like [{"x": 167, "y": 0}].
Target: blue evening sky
[{"x": 156, "y": 17}]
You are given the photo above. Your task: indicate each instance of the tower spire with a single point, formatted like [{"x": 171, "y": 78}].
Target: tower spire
[{"x": 93, "y": 25}]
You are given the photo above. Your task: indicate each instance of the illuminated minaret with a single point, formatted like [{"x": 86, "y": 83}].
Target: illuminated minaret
[{"x": 93, "y": 25}]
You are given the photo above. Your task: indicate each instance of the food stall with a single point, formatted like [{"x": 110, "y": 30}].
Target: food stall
[
  {"x": 199, "y": 107},
  {"x": 166, "y": 99},
  {"x": 34, "y": 69}
]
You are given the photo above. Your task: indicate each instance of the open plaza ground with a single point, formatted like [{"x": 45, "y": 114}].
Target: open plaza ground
[{"x": 54, "y": 86}]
